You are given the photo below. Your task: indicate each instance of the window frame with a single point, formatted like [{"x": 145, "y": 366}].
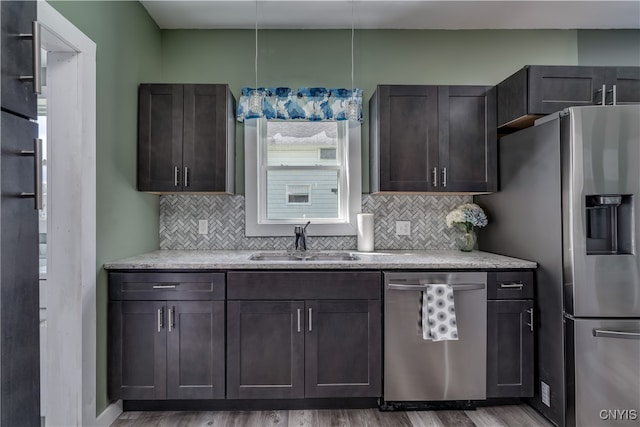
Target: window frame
[{"x": 349, "y": 184}]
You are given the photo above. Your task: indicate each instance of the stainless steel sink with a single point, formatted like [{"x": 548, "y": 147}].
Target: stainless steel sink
[{"x": 303, "y": 256}]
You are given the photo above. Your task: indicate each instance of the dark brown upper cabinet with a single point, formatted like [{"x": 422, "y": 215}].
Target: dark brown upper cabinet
[
  {"x": 186, "y": 138},
  {"x": 536, "y": 90},
  {"x": 433, "y": 139}
]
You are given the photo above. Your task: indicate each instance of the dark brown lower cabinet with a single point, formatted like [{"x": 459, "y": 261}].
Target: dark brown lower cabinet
[
  {"x": 166, "y": 350},
  {"x": 303, "y": 349},
  {"x": 510, "y": 348},
  {"x": 265, "y": 349},
  {"x": 342, "y": 348}
]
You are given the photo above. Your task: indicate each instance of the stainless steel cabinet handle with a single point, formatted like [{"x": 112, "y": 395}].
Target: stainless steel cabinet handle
[
  {"x": 435, "y": 176},
  {"x": 37, "y": 155},
  {"x": 444, "y": 177},
  {"x": 517, "y": 285},
  {"x": 423, "y": 286},
  {"x": 172, "y": 315},
  {"x": 310, "y": 320},
  {"x": 299, "y": 327},
  {"x": 614, "y": 101},
  {"x": 160, "y": 310},
  {"x": 601, "y": 333},
  {"x": 37, "y": 60},
  {"x": 530, "y": 324},
  {"x": 176, "y": 176},
  {"x": 186, "y": 176},
  {"x": 602, "y": 92},
  {"x": 164, "y": 286}
]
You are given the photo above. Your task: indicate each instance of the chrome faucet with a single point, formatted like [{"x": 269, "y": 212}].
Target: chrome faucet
[{"x": 301, "y": 237}]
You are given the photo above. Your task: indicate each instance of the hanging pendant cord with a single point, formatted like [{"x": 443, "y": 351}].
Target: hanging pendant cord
[
  {"x": 352, "y": 32},
  {"x": 256, "y": 57}
]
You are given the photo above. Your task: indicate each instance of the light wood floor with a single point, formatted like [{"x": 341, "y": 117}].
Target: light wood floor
[{"x": 494, "y": 416}]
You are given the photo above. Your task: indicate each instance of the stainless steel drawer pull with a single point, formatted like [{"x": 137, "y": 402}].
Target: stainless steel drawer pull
[
  {"x": 517, "y": 285},
  {"x": 310, "y": 320},
  {"x": 37, "y": 59},
  {"x": 435, "y": 176},
  {"x": 186, "y": 176},
  {"x": 601, "y": 333},
  {"x": 176, "y": 176},
  {"x": 530, "y": 324},
  {"x": 164, "y": 286},
  {"x": 160, "y": 319},
  {"x": 299, "y": 327},
  {"x": 423, "y": 286},
  {"x": 444, "y": 177}
]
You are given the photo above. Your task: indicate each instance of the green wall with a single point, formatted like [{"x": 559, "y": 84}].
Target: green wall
[
  {"x": 131, "y": 49},
  {"x": 128, "y": 52},
  {"x": 609, "y": 47},
  {"x": 298, "y": 58}
]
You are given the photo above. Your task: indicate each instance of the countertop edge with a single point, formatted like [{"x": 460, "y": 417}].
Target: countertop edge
[{"x": 396, "y": 260}]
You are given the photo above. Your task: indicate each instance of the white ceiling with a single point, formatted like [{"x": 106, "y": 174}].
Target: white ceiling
[{"x": 396, "y": 14}]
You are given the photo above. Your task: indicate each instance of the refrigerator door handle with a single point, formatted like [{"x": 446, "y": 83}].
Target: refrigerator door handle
[{"x": 601, "y": 333}]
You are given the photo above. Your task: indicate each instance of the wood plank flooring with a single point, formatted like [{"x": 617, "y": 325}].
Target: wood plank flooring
[{"x": 492, "y": 416}]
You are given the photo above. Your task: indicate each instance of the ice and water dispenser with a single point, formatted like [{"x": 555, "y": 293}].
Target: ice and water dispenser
[{"x": 609, "y": 224}]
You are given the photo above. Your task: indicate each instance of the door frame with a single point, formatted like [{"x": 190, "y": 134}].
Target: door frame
[{"x": 72, "y": 272}]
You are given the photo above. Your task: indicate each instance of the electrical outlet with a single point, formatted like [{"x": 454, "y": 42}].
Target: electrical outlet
[
  {"x": 203, "y": 226},
  {"x": 545, "y": 393},
  {"x": 403, "y": 228}
]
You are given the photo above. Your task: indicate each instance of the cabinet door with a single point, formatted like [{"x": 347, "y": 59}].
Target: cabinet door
[
  {"x": 18, "y": 95},
  {"x": 160, "y": 137},
  {"x": 509, "y": 348},
  {"x": 204, "y": 138},
  {"x": 468, "y": 140},
  {"x": 20, "y": 368},
  {"x": 554, "y": 88},
  {"x": 195, "y": 350},
  {"x": 407, "y": 129},
  {"x": 137, "y": 350},
  {"x": 343, "y": 349},
  {"x": 265, "y": 349},
  {"x": 627, "y": 82}
]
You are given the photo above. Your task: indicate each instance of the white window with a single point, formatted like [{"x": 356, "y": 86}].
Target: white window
[
  {"x": 327, "y": 153},
  {"x": 298, "y": 194},
  {"x": 302, "y": 171}
]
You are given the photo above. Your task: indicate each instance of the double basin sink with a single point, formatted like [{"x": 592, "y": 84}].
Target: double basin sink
[{"x": 303, "y": 256}]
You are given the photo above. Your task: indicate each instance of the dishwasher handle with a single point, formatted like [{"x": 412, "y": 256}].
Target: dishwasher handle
[{"x": 423, "y": 286}]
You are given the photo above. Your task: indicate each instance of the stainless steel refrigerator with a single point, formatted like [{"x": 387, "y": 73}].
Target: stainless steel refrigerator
[{"x": 568, "y": 199}]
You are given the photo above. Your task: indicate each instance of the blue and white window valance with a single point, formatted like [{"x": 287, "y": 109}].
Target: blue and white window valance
[{"x": 311, "y": 104}]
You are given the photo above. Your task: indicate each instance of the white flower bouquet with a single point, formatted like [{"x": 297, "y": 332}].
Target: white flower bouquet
[{"x": 466, "y": 217}]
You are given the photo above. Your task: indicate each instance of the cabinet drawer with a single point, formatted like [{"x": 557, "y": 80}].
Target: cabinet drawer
[
  {"x": 274, "y": 285},
  {"x": 510, "y": 284},
  {"x": 166, "y": 286}
]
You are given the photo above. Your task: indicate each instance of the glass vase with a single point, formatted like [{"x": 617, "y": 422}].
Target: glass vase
[{"x": 466, "y": 240}]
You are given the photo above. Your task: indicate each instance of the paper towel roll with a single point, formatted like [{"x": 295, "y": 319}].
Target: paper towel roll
[{"x": 364, "y": 222}]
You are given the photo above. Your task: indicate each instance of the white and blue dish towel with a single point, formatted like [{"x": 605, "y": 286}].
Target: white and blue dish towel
[{"x": 439, "y": 313}]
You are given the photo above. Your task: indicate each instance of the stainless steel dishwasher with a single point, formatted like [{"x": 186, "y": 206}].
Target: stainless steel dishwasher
[{"x": 421, "y": 370}]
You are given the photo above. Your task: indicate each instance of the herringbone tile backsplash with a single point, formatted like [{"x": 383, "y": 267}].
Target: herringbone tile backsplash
[{"x": 179, "y": 217}]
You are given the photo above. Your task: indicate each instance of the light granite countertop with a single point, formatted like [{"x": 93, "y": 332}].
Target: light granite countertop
[{"x": 239, "y": 260}]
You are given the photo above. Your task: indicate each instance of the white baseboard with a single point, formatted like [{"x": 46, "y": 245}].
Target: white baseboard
[{"x": 109, "y": 415}]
